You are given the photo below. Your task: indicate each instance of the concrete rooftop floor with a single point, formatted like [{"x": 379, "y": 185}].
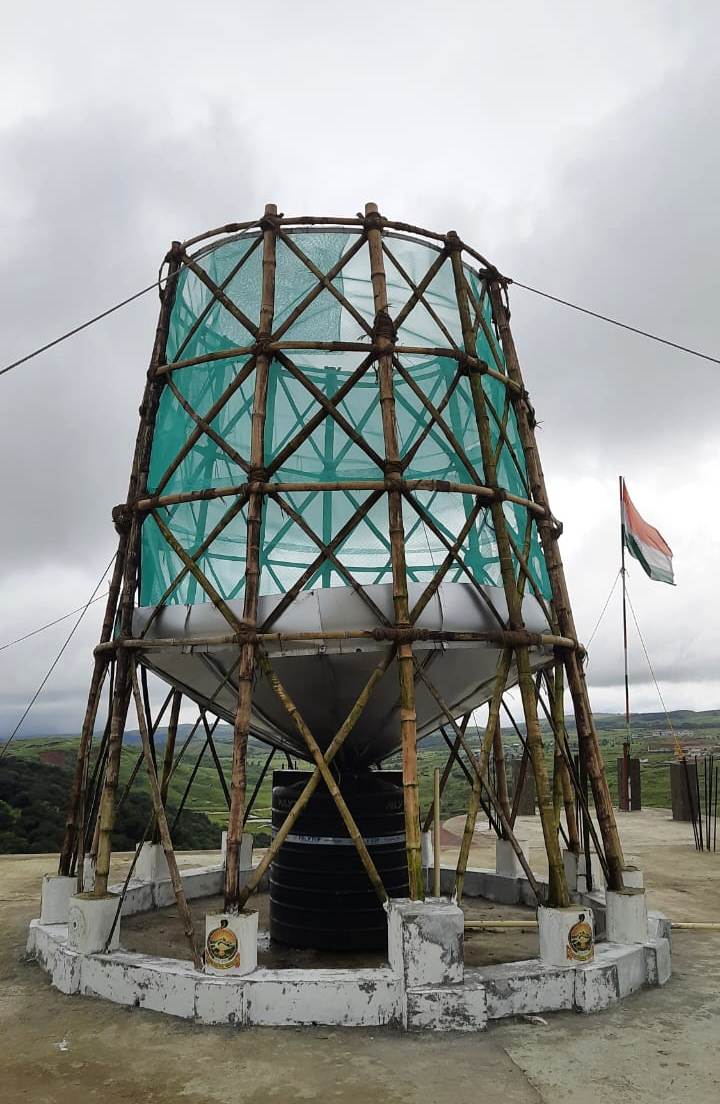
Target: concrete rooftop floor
[{"x": 659, "y": 1044}]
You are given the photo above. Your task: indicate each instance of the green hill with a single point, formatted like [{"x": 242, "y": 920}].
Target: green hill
[{"x": 35, "y": 778}]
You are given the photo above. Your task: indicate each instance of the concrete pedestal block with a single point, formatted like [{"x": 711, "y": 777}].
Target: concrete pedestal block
[
  {"x": 633, "y": 877},
  {"x": 246, "y": 847},
  {"x": 231, "y": 942},
  {"x": 507, "y": 863},
  {"x": 427, "y": 851},
  {"x": 446, "y": 1008},
  {"x": 567, "y": 935},
  {"x": 425, "y": 941},
  {"x": 89, "y": 922},
  {"x": 151, "y": 865},
  {"x": 88, "y": 873},
  {"x": 596, "y": 874},
  {"x": 55, "y": 898},
  {"x": 571, "y": 862},
  {"x": 658, "y": 961},
  {"x": 626, "y": 916},
  {"x": 596, "y": 986}
]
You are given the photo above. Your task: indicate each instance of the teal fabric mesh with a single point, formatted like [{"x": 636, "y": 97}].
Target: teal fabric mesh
[{"x": 200, "y": 325}]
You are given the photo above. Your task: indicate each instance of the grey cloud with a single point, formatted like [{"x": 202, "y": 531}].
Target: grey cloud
[{"x": 628, "y": 224}]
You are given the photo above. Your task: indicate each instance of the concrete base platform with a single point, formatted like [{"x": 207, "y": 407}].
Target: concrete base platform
[{"x": 409, "y": 993}]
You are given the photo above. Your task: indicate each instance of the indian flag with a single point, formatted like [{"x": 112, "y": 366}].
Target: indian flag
[{"x": 645, "y": 543}]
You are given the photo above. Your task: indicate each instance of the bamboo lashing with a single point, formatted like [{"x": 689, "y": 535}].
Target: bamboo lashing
[{"x": 380, "y": 354}]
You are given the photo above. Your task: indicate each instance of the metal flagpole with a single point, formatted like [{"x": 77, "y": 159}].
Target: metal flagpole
[{"x": 624, "y": 780}]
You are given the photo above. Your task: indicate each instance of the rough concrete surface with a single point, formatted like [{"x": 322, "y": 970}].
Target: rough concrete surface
[{"x": 659, "y": 1044}]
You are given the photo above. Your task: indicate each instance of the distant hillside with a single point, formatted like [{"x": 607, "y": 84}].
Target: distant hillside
[
  {"x": 702, "y": 720},
  {"x": 35, "y": 777},
  {"x": 33, "y": 800}
]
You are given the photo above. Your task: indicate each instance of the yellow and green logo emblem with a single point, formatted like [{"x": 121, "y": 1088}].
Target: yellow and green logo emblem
[
  {"x": 580, "y": 945},
  {"x": 221, "y": 948}
]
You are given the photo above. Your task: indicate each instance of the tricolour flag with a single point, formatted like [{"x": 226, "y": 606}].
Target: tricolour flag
[{"x": 645, "y": 543}]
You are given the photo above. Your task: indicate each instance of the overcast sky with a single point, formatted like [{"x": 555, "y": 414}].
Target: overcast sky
[{"x": 576, "y": 145}]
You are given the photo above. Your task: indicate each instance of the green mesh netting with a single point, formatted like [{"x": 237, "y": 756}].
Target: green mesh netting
[{"x": 200, "y": 325}]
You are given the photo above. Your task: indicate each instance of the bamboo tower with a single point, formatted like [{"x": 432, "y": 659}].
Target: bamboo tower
[{"x": 282, "y": 342}]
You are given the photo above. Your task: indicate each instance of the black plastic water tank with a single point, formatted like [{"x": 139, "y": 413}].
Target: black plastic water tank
[{"x": 320, "y": 894}]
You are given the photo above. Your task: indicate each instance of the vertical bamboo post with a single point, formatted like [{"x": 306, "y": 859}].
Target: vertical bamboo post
[
  {"x": 129, "y": 520},
  {"x": 453, "y": 756},
  {"x": 501, "y": 786},
  {"x": 587, "y": 736},
  {"x": 168, "y": 756},
  {"x": 248, "y": 654},
  {"x": 501, "y": 677},
  {"x": 558, "y": 894},
  {"x": 100, "y": 667},
  {"x": 436, "y": 832},
  {"x": 557, "y": 711},
  {"x": 384, "y": 338},
  {"x": 161, "y": 819}
]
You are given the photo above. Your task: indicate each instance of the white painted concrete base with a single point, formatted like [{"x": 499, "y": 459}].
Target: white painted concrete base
[
  {"x": 426, "y": 987},
  {"x": 425, "y": 941},
  {"x": 507, "y": 864},
  {"x": 626, "y": 916},
  {"x": 231, "y": 942},
  {"x": 567, "y": 935},
  {"x": 597, "y": 876},
  {"x": 246, "y": 847},
  {"x": 633, "y": 877},
  {"x": 571, "y": 862},
  {"x": 151, "y": 865},
  {"x": 57, "y": 889},
  {"x": 88, "y": 882},
  {"x": 427, "y": 851},
  {"x": 89, "y": 922}
]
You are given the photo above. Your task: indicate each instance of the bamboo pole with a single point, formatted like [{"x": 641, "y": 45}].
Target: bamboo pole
[
  {"x": 100, "y": 665},
  {"x": 194, "y": 771},
  {"x": 501, "y": 785},
  {"x": 131, "y": 554},
  {"x": 216, "y": 760},
  {"x": 558, "y": 894},
  {"x": 501, "y": 677},
  {"x": 313, "y": 782},
  {"x": 483, "y": 781},
  {"x": 439, "y": 486},
  {"x": 425, "y": 351},
  {"x": 248, "y": 654},
  {"x": 87, "y": 811},
  {"x": 452, "y": 757},
  {"x": 577, "y": 685},
  {"x": 258, "y": 784},
  {"x": 576, "y": 778},
  {"x": 169, "y": 752},
  {"x": 327, "y": 777},
  {"x": 485, "y": 806},
  {"x": 436, "y": 832},
  {"x": 139, "y": 760},
  {"x": 501, "y": 925},
  {"x": 557, "y": 709},
  {"x": 504, "y": 637},
  {"x": 162, "y": 823},
  {"x": 383, "y": 335}
]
